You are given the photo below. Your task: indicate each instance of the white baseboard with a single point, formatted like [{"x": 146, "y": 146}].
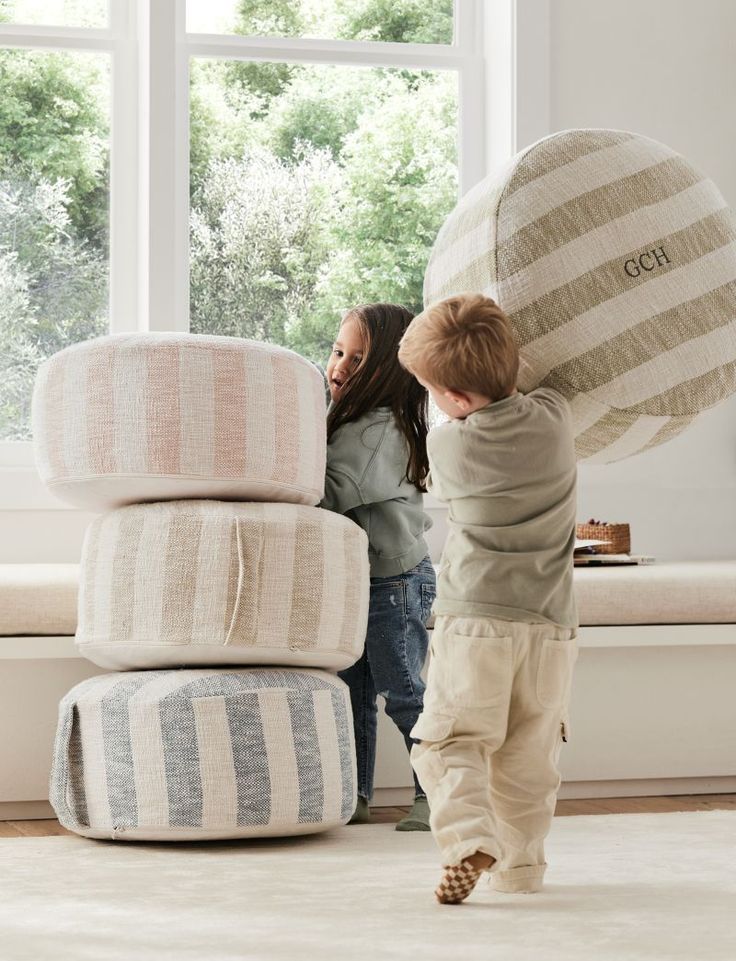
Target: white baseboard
[
  {"x": 635, "y": 787},
  {"x": 25, "y": 810},
  {"x": 403, "y": 796},
  {"x": 582, "y": 790}
]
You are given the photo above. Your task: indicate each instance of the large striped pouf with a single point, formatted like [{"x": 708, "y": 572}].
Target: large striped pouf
[
  {"x": 215, "y": 582},
  {"x": 146, "y": 417},
  {"x": 616, "y": 261},
  {"x": 200, "y": 754}
]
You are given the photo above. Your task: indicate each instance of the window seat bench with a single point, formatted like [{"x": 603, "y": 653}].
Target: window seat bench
[{"x": 653, "y": 709}]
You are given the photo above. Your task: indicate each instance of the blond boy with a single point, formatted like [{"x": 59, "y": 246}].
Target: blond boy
[{"x": 504, "y": 644}]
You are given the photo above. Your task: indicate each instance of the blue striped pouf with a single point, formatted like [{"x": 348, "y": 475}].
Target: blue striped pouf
[{"x": 202, "y": 754}]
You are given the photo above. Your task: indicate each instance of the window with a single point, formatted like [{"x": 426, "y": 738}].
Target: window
[
  {"x": 224, "y": 166},
  {"x": 317, "y": 184},
  {"x": 327, "y": 193},
  {"x": 54, "y": 202},
  {"x": 398, "y": 21},
  {"x": 61, "y": 13}
]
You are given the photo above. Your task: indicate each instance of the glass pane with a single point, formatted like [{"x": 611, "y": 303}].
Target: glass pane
[
  {"x": 314, "y": 188},
  {"x": 55, "y": 13},
  {"x": 397, "y": 21},
  {"x": 54, "y": 160}
]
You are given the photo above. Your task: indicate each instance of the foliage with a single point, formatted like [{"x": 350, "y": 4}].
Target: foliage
[
  {"x": 397, "y": 21},
  {"x": 312, "y": 187},
  {"x": 53, "y": 291},
  {"x": 398, "y": 174},
  {"x": 52, "y": 127},
  {"x": 260, "y": 233},
  {"x": 280, "y": 18},
  {"x": 320, "y": 108}
]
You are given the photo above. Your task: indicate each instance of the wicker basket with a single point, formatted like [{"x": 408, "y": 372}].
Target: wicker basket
[{"x": 618, "y": 536}]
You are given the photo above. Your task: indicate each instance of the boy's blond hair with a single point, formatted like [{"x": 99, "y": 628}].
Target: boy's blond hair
[{"x": 463, "y": 343}]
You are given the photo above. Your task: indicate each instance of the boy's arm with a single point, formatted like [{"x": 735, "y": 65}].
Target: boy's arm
[{"x": 445, "y": 459}]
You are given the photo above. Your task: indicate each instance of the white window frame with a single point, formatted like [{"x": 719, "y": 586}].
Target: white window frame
[
  {"x": 119, "y": 41},
  {"x": 501, "y": 56}
]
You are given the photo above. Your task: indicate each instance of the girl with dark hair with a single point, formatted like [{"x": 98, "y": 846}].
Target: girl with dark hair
[{"x": 376, "y": 470}]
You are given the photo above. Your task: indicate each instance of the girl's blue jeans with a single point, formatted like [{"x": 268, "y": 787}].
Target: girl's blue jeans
[{"x": 395, "y": 650}]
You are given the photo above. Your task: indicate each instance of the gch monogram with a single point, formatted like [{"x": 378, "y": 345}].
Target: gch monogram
[{"x": 649, "y": 260}]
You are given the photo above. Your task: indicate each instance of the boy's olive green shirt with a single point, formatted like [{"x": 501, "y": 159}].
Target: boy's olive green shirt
[
  {"x": 508, "y": 473},
  {"x": 366, "y": 480}
]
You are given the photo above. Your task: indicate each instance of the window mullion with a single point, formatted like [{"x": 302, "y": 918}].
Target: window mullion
[
  {"x": 469, "y": 32},
  {"x": 124, "y": 170},
  {"x": 163, "y": 301},
  {"x": 417, "y": 56},
  {"x": 54, "y": 38}
]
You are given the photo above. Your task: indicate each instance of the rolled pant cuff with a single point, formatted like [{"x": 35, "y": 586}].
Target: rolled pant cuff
[
  {"x": 456, "y": 853},
  {"x": 524, "y": 880}
]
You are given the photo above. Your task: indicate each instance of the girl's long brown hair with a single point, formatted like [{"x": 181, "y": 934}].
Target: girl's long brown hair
[{"x": 381, "y": 381}]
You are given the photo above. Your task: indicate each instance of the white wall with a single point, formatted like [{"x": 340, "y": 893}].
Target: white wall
[{"x": 666, "y": 69}]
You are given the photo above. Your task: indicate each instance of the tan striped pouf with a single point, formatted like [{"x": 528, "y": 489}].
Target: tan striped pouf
[
  {"x": 144, "y": 417},
  {"x": 199, "y": 754},
  {"x": 215, "y": 582},
  {"x": 616, "y": 261}
]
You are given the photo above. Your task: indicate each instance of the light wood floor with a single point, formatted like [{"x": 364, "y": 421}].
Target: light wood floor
[{"x": 643, "y": 805}]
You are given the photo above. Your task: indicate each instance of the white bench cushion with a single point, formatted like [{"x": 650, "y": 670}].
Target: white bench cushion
[
  {"x": 698, "y": 592},
  {"x": 145, "y": 417},
  {"x": 42, "y": 598},
  {"x": 38, "y": 599},
  {"x": 615, "y": 260},
  {"x": 198, "y": 754},
  {"x": 214, "y": 582}
]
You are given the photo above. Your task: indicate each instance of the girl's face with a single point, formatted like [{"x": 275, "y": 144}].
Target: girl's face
[{"x": 346, "y": 357}]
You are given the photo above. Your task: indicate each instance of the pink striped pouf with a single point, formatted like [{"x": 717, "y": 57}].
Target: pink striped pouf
[{"x": 131, "y": 418}]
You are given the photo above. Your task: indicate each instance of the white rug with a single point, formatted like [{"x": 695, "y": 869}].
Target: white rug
[{"x": 619, "y": 888}]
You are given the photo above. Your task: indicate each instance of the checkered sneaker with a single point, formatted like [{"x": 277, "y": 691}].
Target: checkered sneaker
[{"x": 457, "y": 883}]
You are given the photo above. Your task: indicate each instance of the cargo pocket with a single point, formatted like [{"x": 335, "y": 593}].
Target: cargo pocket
[
  {"x": 554, "y": 674},
  {"x": 432, "y": 727},
  {"x": 468, "y": 672}
]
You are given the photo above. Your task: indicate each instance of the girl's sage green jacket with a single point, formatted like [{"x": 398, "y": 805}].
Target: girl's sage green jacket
[{"x": 366, "y": 480}]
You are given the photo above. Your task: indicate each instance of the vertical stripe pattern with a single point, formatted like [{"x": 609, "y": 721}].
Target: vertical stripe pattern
[
  {"x": 615, "y": 260},
  {"x": 179, "y": 579},
  {"x": 217, "y": 764},
  {"x": 242, "y": 419},
  {"x": 239, "y": 751}
]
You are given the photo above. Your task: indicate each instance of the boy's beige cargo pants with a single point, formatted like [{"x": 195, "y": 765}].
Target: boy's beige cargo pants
[{"x": 494, "y": 719}]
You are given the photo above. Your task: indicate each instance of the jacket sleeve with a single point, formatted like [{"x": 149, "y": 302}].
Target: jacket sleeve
[
  {"x": 357, "y": 471},
  {"x": 445, "y": 461},
  {"x": 342, "y": 494}
]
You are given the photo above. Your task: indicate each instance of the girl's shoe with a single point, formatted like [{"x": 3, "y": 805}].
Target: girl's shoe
[
  {"x": 362, "y": 813},
  {"x": 418, "y": 818}
]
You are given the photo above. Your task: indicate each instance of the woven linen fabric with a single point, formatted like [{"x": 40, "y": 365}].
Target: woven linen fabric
[
  {"x": 616, "y": 263},
  {"x": 695, "y": 592},
  {"x": 218, "y": 582},
  {"x": 145, "y": 417},
  {"x": 199, "y": 754}
]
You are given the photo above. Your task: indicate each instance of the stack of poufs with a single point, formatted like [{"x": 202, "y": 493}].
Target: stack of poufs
[{"x": 216, "y": 590}]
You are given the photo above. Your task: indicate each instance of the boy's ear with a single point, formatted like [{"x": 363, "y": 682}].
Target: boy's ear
[{"x": 460, "y": 399}]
